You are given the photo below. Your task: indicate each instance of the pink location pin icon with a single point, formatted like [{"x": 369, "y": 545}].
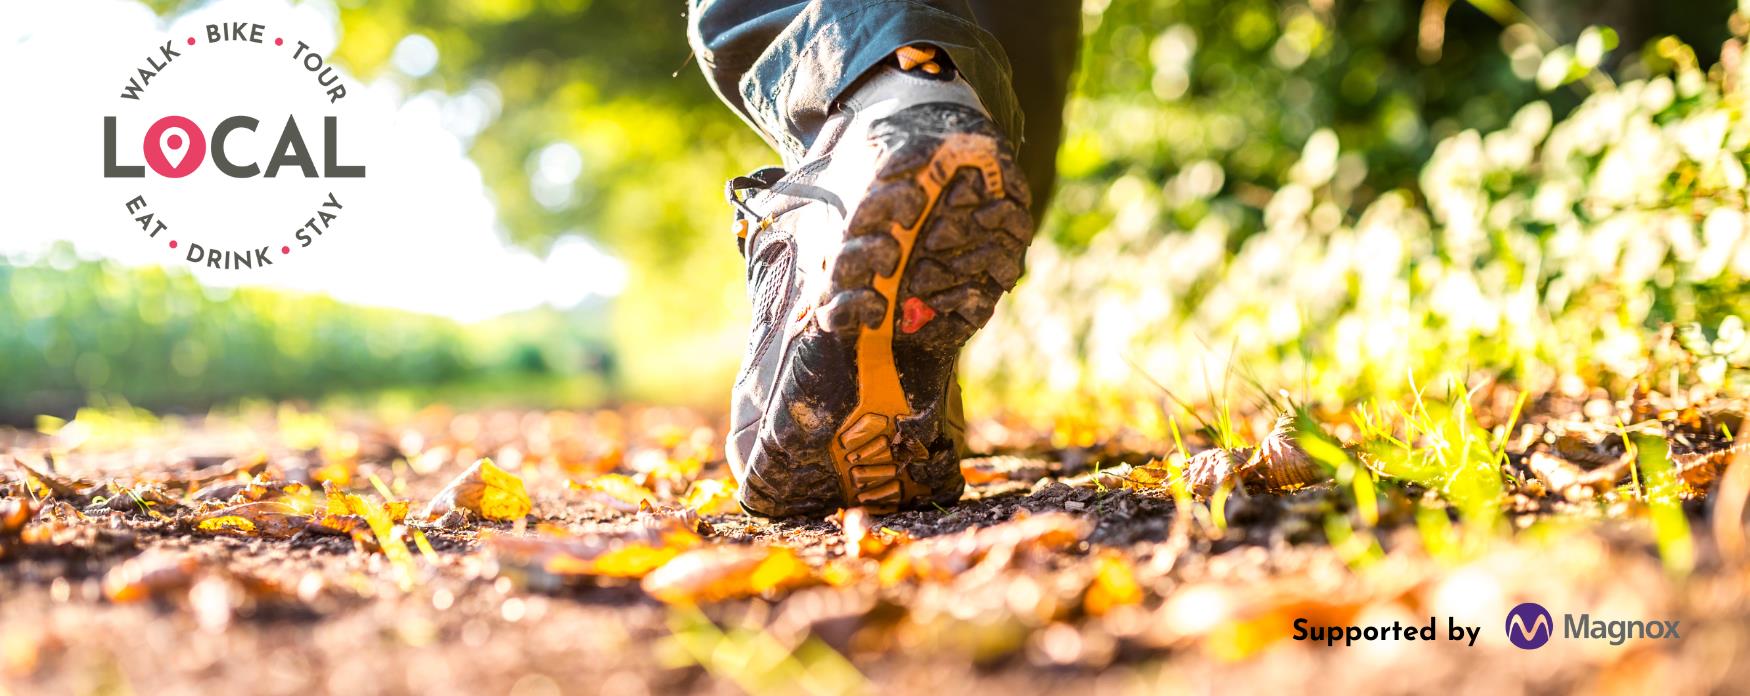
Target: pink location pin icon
[{"x": 175, "y": 146}]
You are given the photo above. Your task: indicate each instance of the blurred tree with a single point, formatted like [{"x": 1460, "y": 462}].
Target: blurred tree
[{"x": 601, "y": 126}]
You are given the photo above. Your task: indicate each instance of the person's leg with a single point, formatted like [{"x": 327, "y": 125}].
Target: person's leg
[
  {"x": 1043, "y": 40},
  {"x": 780, "y": 64},
  {"x": 899, "y": 220}
]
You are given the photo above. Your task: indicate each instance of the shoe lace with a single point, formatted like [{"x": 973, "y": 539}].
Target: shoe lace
[{"x": 736, "y": 191}]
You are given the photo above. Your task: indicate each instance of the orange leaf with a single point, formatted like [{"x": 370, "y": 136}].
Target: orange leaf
[{"x": 718, "y": 573}]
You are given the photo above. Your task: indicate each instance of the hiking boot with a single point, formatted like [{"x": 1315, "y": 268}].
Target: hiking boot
[{"x": 870, "y": 263}]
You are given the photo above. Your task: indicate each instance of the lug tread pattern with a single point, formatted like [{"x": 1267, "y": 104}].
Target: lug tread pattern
[{"x": 969, "y": 250}]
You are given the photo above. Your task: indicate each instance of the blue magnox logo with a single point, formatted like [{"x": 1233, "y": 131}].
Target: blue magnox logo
[{"x": 1529, "y": 626}]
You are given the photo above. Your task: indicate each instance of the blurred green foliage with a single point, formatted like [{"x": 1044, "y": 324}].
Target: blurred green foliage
[
  {"x": 77, "y": 329},
  {"x": 1549, "y": 231},
  {"x": 1301, "y": 188},
  {"x": 612, "y": 80}
]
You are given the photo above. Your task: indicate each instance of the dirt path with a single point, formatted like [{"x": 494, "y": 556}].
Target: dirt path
[{"x": 1041, "y": 579}]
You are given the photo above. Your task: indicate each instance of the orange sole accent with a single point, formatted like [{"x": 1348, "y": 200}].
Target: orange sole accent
[{"x": 862, "y": 449}]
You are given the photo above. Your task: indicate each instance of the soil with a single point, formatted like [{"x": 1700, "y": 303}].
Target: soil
[{"x": 140, "y": 599}]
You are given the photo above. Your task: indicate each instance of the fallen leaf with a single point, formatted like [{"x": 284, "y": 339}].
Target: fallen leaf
[
  {"x": 149, "y": 574},
  {"x": 672, "y": 474},
  {"x": 863, "y": 539},
  {"x": 1281, "y": 465},
  {"x": 354, "y": 526},
  {"x": 142, "y": 498},
  {"x": 943, "y": 558},
  {"x": 46, "y": 485},
  {"x": 999, "y": 469},
  {"x": 1698, "y": 471},
  {"x": 630, "y": 561},
  {"x": 209, "y": 590},
  {"x": 260, "y": 488},
  {"x": 342, "y": 503},
  {"x": 1114, "y": 585},
  {"x": 483, "y": 489},
  {"x": 616, "y": 491},
  {"x": 222, "y": 491},
  {"x": 659, "y": 537},
  {"x": 335, "y": 473},
  {"x": 1212, "y": 469},
  {"x": 274, "y": 520},
  {"x": 1154, "y": 475},
  {"x": 1572, "y": 483},
  {"x": 718, "y": 573},
  {"x": 711, "y": 497},
  {"x": 14, "y": 514},
  {"x": 977, "y": 475}
]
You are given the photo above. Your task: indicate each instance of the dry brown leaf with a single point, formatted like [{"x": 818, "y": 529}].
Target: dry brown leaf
[
  {"x": 233, "y": 470},
  {"x": 148, "y": 575},
  {"x": 355, "y": 527},
  {"x": 273, "y": 520},
  {"x": 1281, "y": 465},
  {"x": 260, "y": 488},
  {"x": 143, "y": 497},
  {"x": 941, "y": 559},
  {"x": 1572, "y": 483},
  {"x": 1699, "y": 471},
  {"x": 486, "y": 490},
  {"x": 1154, "y": 475},
  {"x": 49, "y": 485},
  {"x": 979, "y": 475},
  {"x": 1211, "y": 469},
  {"x": 209, "y": 591}
]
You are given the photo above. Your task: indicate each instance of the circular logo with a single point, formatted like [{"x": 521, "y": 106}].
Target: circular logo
[
  {"x": 1529, "y": 626},
  {"x": 231, "y": 146}
]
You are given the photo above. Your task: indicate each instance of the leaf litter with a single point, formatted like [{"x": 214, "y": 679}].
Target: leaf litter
[{"x": 1082, "y": 557}]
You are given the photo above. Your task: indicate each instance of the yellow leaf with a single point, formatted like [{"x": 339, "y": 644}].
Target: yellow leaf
[
  {"x": 1152, "y": 476},
  {"x": 391, "y": 543},
  {"x": 839, "y": 572},
  {"x": 227, "y": 523},
  {"x": 1114, "y": 585},
  {"x": 718, "y": 573},
  {"x": 863, "y": 539},
  {"x": 633, "y": 561},
  {"x": 711, "y": 497},
  {"x": 340, "y": 502},
  {"x": 484, "y": 489},
  {"x": 629, "y": 554},
  {"x": 276, "y": 520},
  {"x": 424, "y": 546},
  {"x": 675, "y": 471},
  {"x": 616, "y": 491},
  {"x": 336, "y": 473}
]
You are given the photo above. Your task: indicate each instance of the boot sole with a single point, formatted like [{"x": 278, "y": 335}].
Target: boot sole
[{"x": 939, "y": 237}]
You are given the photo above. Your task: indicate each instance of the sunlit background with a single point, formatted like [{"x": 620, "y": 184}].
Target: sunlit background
[{"x": 1327, "y": 198}]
